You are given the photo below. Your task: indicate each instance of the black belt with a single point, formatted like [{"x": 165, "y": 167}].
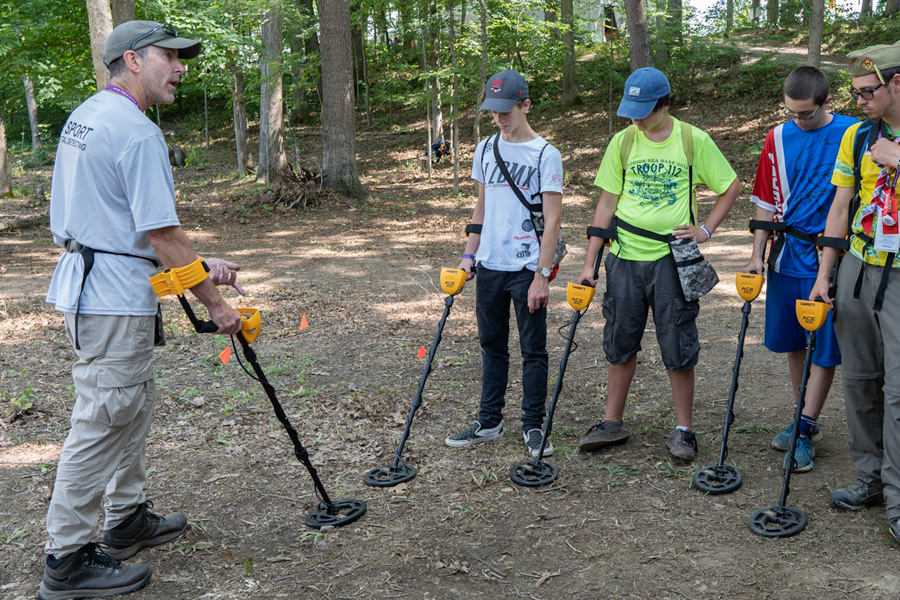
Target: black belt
[
  {"x": 885, "y": 273},
  {"x": 87, "y": 255}
]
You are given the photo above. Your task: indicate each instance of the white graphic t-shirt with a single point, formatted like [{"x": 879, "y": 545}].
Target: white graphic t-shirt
[
  {"x": 112, "y": 183},
  {"x": 508, "y": 241}
]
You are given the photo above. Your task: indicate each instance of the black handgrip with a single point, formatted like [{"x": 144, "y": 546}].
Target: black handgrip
[{"x": 205, "y": 327}]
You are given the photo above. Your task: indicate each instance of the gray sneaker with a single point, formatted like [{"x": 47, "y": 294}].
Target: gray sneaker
[
  {"x": 682, "y": 444},
  {"x": 474, "y": 434},
  {"x": 143, "y": 529},
  {"x": 90, "y": 573},
  {"x": 857, "y": 495},
  {"x": 533, "y": 439},
  {"x": 605, "y": 433}
]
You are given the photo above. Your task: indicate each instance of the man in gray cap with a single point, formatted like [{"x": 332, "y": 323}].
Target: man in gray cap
[
  {"x": 867, "y": 300},
  {"x": 112, "y": 207},
  {"x": 515, "y": 262},
  {"x": 647, "y": 192}
]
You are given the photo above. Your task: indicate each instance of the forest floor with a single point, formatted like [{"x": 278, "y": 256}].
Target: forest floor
[{"x": 622, "y": 523}]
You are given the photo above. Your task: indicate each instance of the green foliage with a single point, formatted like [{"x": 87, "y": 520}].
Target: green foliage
[{"x": 21, "y": 401}]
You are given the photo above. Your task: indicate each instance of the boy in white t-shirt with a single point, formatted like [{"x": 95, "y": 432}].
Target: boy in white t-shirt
[{"x": 513, "y": 264}]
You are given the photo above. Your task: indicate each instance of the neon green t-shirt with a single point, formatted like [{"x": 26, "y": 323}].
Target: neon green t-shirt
[
  {"x": 655, "y": 195},
  {"x": 843, "y": 177}
]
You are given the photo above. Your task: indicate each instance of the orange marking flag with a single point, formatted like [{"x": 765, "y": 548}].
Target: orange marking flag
[
  {"x": 225, "y": 355},
  {"x": 422, "y": 352},
  {"x": 303, "y": 323}
]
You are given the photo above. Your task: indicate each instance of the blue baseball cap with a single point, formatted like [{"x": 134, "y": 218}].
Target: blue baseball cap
[
  {"x": 644, "y": 87},
  {"x": 503, "y": 90}
]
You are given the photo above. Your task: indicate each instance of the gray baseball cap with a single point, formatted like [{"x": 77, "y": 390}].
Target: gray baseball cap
[
  {"x": 133, "y": 35},
  {"x": 503, "y": 90}
]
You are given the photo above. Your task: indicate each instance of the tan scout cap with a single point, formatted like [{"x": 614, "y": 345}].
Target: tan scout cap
[{"x": 874, "y": 59}]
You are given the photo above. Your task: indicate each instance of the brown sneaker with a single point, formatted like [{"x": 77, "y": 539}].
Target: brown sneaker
[
  {"x": 605, "y": 433},
  {"x": 682, "y": 444}
]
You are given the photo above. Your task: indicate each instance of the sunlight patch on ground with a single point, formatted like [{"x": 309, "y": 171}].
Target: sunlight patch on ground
[{"x": 29, "y": 455}]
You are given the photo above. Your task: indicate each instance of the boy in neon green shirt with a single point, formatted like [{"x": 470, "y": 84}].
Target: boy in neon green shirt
[{"x": 652, "y": 191}]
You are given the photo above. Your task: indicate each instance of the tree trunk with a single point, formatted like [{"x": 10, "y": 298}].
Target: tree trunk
[
  {"x": 662, "y": 38},
  {"x": 484, "y": 49},
  {"x": 674, "y": 18},
  {"x": 32, "y": 113},
  {"x": 338, "y": 119},
  {"x": 891, "y": 7},
  {"x": 122, "y": 11},
  {"x": 729, "y": 16},
  {"x": 5, "y": 171},
  {"x": 100, "y": 23},
  {"x": 865, "y": 10},
  {"x": 357, "y": 37},
  {"x": 454, "y": 102},
  {"x": 272, "y": 159},
  {"x": 636, "y": 15},
  {"x": 754, "y": 11},
  {"x": 570, "y": 85},
  {"x": 239, "y": 114},
  {"x": 772, "y": 12},
  {"x": 816, "y": 26}
]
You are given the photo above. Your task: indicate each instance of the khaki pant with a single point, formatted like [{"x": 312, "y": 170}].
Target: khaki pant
[
  {"x": 104, "y": 452},
  {"x": 870, "y": 348}
]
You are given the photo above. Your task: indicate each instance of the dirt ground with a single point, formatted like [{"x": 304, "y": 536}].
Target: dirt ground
[{"x": 622, "y": 523}]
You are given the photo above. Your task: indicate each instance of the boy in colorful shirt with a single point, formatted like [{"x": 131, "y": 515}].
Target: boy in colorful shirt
[
  {"x": 512, "y": 265},
  {"x": 652, "y": 191},
  {"x": 867, "y": 300},
  {"x": 793, "y": 187}
]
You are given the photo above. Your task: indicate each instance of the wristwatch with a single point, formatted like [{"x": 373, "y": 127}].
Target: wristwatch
[{"x": 545, "y": 272}]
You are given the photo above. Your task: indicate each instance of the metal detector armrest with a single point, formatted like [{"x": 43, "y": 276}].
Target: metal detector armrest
[
  {"x": 811, "y": 315},
  {"x": 177, "y": 280},
  {"x": 608, "y": 235},
  {"x": 749, "y": 285},
  {"x": 840, "y": 244},
  {"x": 771, "y": 226},
  {"x": 473, "y": 228}
]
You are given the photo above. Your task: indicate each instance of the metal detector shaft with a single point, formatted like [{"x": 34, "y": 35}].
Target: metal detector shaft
[
  {"x": 548, "y": 424},
  {"x": 301, "y": 452},
  {"x": 729, "y": 411},
  {"x": 798, "y": 412},
  {"x": 417, "y": 400}
]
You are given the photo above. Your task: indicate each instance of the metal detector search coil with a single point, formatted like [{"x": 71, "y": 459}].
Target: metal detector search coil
[{"x": 452, "y": 280}]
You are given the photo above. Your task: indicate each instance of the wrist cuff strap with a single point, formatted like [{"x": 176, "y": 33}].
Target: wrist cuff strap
[
  {"x": 473, "y": 228},
  {"x": 175, "y": 281},
  {"x": 599, "y": 232},
  {"x": 842, "y": 244}
]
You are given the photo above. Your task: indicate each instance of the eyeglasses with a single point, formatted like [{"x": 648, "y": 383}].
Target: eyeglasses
[
  {"x": 865, "y": 94},
  {"x": 167, "y": 29},
  {"x": 802, "y": 116}
]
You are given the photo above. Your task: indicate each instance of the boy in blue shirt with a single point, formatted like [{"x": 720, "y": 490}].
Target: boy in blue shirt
[{"x": 793, "y": 186}]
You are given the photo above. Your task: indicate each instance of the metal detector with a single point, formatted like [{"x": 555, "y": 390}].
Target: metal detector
[
  {"x": 535, "y": 473},
  {"x": 781, "y": 520},
  {"x": 720, "y": 478},
  {"x": 452, "y": 281},
  {"x": 328, "y": 512}
]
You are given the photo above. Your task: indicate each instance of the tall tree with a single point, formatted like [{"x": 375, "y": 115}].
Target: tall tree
[
  {"x": 865, "y": 9},
  {"x": 484, "y": 49},
  {"x": 5, "y": 171},
  {"x": 272, "y": 158},
  {"x": 122, "y": 11},
  {"x": 729, "y": 16},
  {"x": 454, "y": 102},
  {"x": 100, "y": 23},
  {"x": 338, "y": 119},
  {"x": 816, "y": 26},
  {"x": 772, "y": 12},
  {"x": 754, "y": 11},
  {"x": 570, "y": 85},
  {"x": 31, "y": 104},
  {"x": 636, "y": 14}
]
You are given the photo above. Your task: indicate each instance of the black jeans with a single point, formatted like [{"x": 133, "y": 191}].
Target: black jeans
[{"x": 494, "y": 291}]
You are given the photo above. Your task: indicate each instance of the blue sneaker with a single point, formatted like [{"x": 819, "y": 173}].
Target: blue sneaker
[
  {"x": 783, "y": 439},
  {"x": 804, "y": 454}
]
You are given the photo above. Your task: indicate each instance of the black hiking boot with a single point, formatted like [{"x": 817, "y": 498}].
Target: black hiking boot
[
  {"x": 143, "y": 529},
  {"x": 857, "y": 496},
  {"x": 90, "y": 573}
]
